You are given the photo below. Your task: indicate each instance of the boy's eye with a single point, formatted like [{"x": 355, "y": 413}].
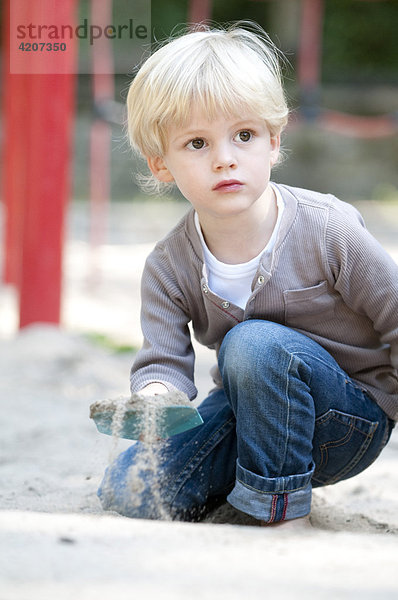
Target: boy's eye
[
  {"x": 244, "y": 136},
  {"x": 196, "y": 144}
]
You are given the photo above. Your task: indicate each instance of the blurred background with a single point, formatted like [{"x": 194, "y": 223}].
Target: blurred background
[
  {"x": 342, "y": 83},
  {"x": 358, "y": 75}
]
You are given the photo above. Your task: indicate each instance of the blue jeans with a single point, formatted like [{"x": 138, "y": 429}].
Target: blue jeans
[{"x": 288, "y": 419}]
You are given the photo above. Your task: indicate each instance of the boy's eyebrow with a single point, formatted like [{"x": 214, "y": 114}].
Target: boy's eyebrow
[{"x": 185, "y": 134}]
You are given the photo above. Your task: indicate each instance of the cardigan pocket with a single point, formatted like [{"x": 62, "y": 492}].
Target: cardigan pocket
[{"x": 309, "y": 306}]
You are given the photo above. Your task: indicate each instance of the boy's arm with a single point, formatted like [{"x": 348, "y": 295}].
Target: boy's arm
[
  {"x": 166, "y": 359},
  {"x": 366, "y": 277}
]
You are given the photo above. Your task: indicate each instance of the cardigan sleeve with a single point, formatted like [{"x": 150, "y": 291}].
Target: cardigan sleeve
[
  {"x": 365, "y": 275},
  {"x": 167, "y": 355}
]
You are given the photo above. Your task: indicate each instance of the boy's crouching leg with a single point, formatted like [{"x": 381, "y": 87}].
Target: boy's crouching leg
[{"x": 266, "y": 382}]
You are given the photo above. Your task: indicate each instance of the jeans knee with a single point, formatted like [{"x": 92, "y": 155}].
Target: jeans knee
[
  {"x": 236, "y": 342},
  {"x": 247, "y": 345}
]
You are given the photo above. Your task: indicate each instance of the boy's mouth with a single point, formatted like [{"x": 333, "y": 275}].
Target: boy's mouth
[{"x": 228, "y": 185}]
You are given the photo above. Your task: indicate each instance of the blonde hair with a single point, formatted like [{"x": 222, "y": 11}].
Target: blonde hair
[{"x": 231, "y": 70}]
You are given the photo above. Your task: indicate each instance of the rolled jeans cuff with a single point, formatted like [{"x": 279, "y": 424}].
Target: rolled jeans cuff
[{"x": 272, "y": 499}]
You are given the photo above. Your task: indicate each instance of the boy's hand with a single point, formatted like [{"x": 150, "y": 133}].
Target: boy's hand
[{"x": 154, "y": 389}]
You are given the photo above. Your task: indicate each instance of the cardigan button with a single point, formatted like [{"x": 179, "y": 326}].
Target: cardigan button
[
  {"x": 260, "y": 280},
  {"x": 205, "y": 288},
  {"x": 225, "y": 304}
]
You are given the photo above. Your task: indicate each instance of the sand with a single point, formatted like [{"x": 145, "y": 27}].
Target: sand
[{"x": 55, "y": 540}]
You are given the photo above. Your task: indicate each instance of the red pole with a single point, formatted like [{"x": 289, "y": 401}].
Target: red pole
[
  {"x": 13, "y": 158},
  {"x": 310, "y": 55},
  {"x": 310, "y": 49},
  {"x": 49, "y": 108},
  {"x": 45, "y": 201},
  {"x": 101, "y": 132},
  {"x": 199, "y": 11}
]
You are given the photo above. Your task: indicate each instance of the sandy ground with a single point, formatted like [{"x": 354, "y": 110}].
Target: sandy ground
[{"x": 55, "y": 541}]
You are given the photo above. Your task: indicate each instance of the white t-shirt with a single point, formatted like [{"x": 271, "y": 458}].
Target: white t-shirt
[{"x": 233, "y": 282}]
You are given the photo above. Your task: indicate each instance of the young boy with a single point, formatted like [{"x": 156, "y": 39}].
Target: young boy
[{"x": 298, "y": 300}]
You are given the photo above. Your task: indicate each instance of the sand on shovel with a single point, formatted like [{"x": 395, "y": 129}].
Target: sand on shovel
[{"x": 148, "y": 463}]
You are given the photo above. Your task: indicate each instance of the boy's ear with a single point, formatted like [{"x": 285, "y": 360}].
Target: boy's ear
[
  {"x": 159, "y": 169},
  {"x": 275, "y": 147}
]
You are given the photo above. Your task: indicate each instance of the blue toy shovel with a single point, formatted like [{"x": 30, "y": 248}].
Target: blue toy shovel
[{"x": 145, "y": 417}]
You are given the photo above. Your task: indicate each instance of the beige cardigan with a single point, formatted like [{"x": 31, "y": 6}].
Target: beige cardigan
[{"x": 326, "y": 277}]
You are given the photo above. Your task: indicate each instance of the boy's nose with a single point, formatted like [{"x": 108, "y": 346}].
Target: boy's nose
[{"x": 223, "y": 158}]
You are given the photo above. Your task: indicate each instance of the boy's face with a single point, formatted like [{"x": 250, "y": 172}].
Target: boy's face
[{"x": 221, "y": 166}]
